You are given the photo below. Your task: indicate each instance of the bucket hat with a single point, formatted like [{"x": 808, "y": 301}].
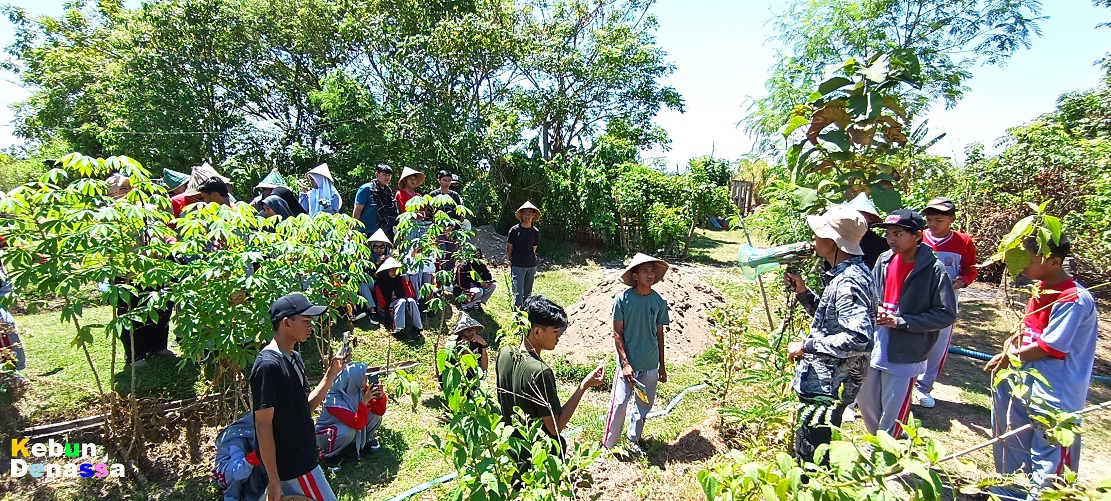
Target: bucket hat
[{"x": 844, "y": 225}]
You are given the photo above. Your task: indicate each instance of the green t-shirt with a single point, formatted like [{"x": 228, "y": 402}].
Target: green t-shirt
[
  {"x": 527, "y": 382},
  {"x": 642, "y": 316}
]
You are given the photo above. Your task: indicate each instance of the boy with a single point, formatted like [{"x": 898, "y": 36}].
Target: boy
[
  {"x": 283, "y": 403},
  {"x": 639, "y": 317},
  {"x": 474, "y": 281},
  {"x": 444, "y": 178},
  {"x": 236, "y": 461},
  {"x": 916, "y": 301},
  {"x": 1059, "y": 340},
  {"x": 957, "y": 254},
  {"x": 525, "y": 381},
  {"x": 395, "y": 294},
  {"x": 831, "y": 361},
  {"x": 520, "y": 249}
]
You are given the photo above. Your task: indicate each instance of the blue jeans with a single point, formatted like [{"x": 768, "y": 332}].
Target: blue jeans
[{"x": 522, "y": 284}]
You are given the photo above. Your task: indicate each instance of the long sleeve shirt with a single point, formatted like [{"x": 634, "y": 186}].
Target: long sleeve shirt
[{"x": 357, "y": 420}]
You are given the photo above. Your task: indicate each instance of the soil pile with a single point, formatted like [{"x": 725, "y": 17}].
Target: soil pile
[
  {"x": 491, "y": 244},
  {"x": 590, "y": 336}
]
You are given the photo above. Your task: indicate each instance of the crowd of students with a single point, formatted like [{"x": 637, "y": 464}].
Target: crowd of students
[
  {"x": 881, "y": 332},
  {"x": 878, "y": 341}
]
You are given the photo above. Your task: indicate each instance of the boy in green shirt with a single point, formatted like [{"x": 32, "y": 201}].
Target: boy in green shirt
[
  {"x": 525, "y": 381},
  {"x": 639, "y": 316}
]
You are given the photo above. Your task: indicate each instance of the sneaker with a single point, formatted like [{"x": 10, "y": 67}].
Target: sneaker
[
  {"x": 636, "y": 448},
  {"x": 138, "y": 363},
  {"x": 163, "y": 353},
  {"x": 332, "y": 462},
  {"x": 371, "y": 445},
  {"x": 849, "y": 416},
  {"x": 924, "y": 399},
  {"x": 359, "y": 315}
]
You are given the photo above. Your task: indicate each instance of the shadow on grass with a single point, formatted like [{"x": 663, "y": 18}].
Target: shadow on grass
[
  {"x": 167, "y": 377},
  {"x": 377, "y": 467},
  {"x": 712, "y": 251}
]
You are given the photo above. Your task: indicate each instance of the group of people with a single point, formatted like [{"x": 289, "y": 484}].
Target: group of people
[
  {"x": 883, "y": 325},
  {"x": 276, "y": 450}
]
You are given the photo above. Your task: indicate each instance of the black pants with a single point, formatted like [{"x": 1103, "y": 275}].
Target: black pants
[
  {"x": 148, "y": 337},
  {"x": 814, "y": 431}
]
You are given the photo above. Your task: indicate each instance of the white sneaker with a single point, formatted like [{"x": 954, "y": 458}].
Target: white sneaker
[
  {"x": 849, "y": 416},
  {"x": 924, "y": 399}
]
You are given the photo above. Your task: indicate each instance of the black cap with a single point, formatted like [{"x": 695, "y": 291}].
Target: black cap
[
  {"x": 442, "y": 173},
  {"x": 906, "y": 218},
  {"x": 383, "y": 168},
  {"x": 294, "y": 304}
]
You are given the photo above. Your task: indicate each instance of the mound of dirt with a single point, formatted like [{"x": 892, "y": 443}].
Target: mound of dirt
[
  {"x": 491, "y": 244},
  {"x": 590, "y": 336}
]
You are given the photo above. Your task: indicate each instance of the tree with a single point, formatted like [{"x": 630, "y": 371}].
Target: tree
[
  {"x": 949, "y": 37},
  {"x": 589, "y": 68}
]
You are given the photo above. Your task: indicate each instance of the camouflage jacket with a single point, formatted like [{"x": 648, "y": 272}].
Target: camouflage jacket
[{"x": 842, "y": 331}]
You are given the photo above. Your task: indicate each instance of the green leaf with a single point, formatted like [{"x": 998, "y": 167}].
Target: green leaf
[
  {"x": 795, "y": 122},
  {"x": 1017, "y": 233},
  {"x": 835, "y": 141},
  {"x": 843, "y": 455},
  {"x": 833, "y": 84},
  {"x": 806, "y": 197},
  {"x": 879, "y": 70},
  {"x": 1053, "y": 224},
  {"x": 885, "y": 198}
]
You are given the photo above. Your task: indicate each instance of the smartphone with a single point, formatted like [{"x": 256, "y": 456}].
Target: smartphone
[
  {"x": 372, "y": 379},
  {"x": 347, "y": 348}
]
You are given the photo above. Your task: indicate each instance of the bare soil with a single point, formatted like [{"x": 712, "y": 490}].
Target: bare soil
[{"x": 590, "y": 336}]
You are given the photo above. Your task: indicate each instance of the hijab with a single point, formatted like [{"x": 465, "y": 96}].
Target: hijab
[
  {"x": 290, "y": 199},
  {"x": 278, "y": 205}
]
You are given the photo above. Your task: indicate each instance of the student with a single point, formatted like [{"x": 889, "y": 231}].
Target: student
[
  {"x": 394, "y": 293},
  {"x": 274, "y": 205},
  {"x": 375, "y": 205},
  {"x": 957, "y": 254},
  {"x": 321, "y": 195},
  {"x": 352, "y": 413},
  {"x": 192, "y": 192},
  {"x": 639, "y": 317},
  {"x": 265, "y": 188},
  {"x": 831, "y": 361},
  {"x": 175, "y": 181},
  {"x": 236, "y": 461},
  {"x": 215, "y": 190},
  {"x": 467, "y": 338},
  {"x": 411, "y": 179},
  {"x": 444, "y": 178},
  {"x": 11, "y": 348},
  {"x": 284, "y": 404},
  {"x": 916, "y": 301},
  {"x": 421, "y": 272},
  {"x": 474, "y": 281},
  {"x": 520, "y": 248},
  {"x": 1060, "y": 332},
  {"x": 526, "y": 382},
  {"x": 871, "y": 243},
  {"x": 380, "y": 247},
  {"x": 286, "y": 194}
]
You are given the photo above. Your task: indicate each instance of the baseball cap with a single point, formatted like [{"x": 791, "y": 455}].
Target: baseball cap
[
  {"x": 294, "y": 304},
  {"x": 942, "y": 204},
  {"x": 906, "y": 218},
  {"x": 383, "y": 168},
  {"x": 442, "y": 173}
]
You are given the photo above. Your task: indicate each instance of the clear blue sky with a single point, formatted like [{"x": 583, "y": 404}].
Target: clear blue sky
[{"x": 722, "y": 56}]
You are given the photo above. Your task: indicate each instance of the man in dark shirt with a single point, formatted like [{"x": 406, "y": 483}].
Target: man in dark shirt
[
  {"x": 374, "y": 203},
  {"x": 283, "y": 415},
  {"x": 445, "y": 179},
  {"x": 520, "y": 248}
]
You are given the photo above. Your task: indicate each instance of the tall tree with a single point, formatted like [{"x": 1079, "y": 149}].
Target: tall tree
[{"x": 950, "y": 37}]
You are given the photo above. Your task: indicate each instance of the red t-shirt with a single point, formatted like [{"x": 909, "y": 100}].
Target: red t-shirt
[
  {"x": 1038, "y": 311},
  {"x": 897, "y": 273},
  {"x": 403, "y": 198}
]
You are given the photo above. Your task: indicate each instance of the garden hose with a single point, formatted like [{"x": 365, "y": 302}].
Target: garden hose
[
  {"x": 417, "y": 489},
  {"x": 957, "y": 350}
]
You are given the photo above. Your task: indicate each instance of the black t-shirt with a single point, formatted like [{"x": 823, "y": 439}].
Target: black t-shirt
[
  {"x": 523, "y": 240},
  {"x": 278, "y": 381},
  {"x": 447, "y": 208}
]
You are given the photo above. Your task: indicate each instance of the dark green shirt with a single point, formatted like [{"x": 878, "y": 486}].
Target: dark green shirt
[{"x": 527, "y": 382}]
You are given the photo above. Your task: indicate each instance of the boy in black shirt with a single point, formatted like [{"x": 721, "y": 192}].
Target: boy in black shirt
[
  {"x": 283, "y": 415},
  {"x": 520, "y": 248}
]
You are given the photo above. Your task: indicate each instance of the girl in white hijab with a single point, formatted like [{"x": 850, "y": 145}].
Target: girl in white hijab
[{"x": 322, "y": 197}]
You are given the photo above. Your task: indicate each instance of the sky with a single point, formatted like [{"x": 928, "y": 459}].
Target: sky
[{"x": 722, "y": 54}]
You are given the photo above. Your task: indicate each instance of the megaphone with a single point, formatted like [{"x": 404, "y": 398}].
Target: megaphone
[{"x": 755, "y": 261}]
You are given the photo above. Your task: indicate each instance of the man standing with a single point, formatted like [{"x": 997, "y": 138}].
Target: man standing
[
  {"x": 375, "y": 205},
  {"x": 916, "y": 301},
  {"x": 284, "y": 404},
  {"x": 831, "y": 361},
  {"x": 520, "y": 249},
  {"x": 1059, "y": 341},
  {"x": 957, "y": 254},
  {"x": 444, "y": 178}
]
